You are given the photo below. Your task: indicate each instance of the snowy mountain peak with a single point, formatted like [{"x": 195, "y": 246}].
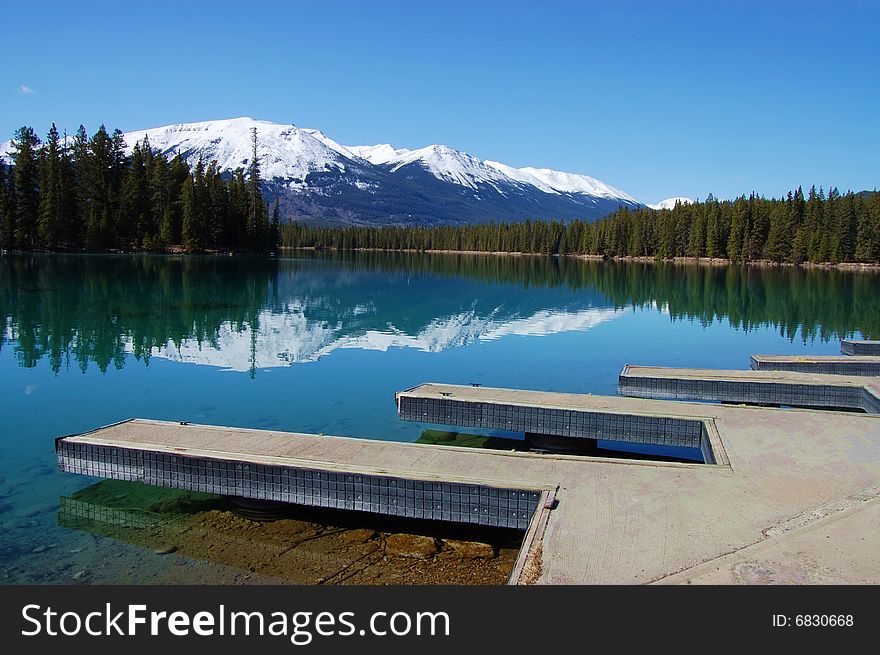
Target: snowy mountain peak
[
  {"x": 287, "y": 152},
  {"x": 381, "y": 153},
  {"x": 576, "y": 183},
  {"x": 448, "y": 164},
  {"x": 670, "y": 203}
]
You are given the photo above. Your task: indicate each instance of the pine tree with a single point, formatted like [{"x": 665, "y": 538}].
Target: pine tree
[
  {"x": 170, "y": 231},
  {"x": 217, "y": 199},
  {"x": 239, "y": 207},
  {"x": 779, "y": 237},
  {"x": 68, "y": 207},
  {"x": 194, "y": 210},
  {"x": 866, "y": 248},
  {"x": 813, "y": 221},
  {"x": 80, "y": 165},
  {"x": 739, "y": 221},
  {"x": 136, "y": 214},
  {"x": 258, "y": 222},
  {"x": 696, "y": 246},
  {"x": 11, "y": 212},
  {"x": 97, "y": 189},
  {"x": 50, "y": 219},
  {"x": 3, "y": 208},
  {"x": 714, "y": 246},
  {"x": 276, "y": 226},
  {"x": 874, "y": 234},
  {"x": 844, "y": 225},
  {"x": 27, "y": 202}
]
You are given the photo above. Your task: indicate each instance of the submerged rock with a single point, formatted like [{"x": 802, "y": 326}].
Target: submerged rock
[
  {"x": 468, "y": 549},
  {"x": 410, "y": 545},
  {"x": 358, "y": 536}
]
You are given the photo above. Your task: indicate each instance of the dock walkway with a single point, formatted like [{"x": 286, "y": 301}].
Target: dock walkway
[
  {"x": 827, "y": 364},
  {"x": 856, "y": 347},
  {"x": 789, "y": 388},
  {"x": 615, "y": 520}
]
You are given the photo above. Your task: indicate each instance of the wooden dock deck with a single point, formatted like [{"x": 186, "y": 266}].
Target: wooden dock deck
[
  {"x": 789, "y": 388},
  {"x": 781, "y": 474},
  {"x": 829, "y": 364}
]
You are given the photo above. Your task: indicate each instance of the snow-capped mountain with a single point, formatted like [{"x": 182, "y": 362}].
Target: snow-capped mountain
[
  {"x": 286, "y": 151},
  {"x": 670, "y": 203},
  {"x": 317, "y": 179}
]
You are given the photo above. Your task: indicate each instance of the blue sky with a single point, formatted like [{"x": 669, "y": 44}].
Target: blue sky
[{"x": 656, "y": 98}]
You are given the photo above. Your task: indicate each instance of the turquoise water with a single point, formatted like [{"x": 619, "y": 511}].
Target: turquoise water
[{"x": 321, "y": 343}]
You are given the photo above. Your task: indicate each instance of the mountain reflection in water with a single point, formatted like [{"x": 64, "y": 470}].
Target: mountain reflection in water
[{"x": 248, "y": 314}]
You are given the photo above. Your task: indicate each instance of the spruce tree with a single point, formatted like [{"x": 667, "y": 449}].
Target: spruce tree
[
  {"x": 172, "y": 215},
  {"x": 136, "y": 214},
  {"x": 865, "y": 250},
  {"x": 217, "y": 200},
  {"x": 813, "y": 224},
  {"x": 194, "y": 210},
  {"x": 276, "y": 226},
  {"x": 50, "y": 222},
  {"x": 258, "y": 222},
  {"x": 696, "y": 246},
  {"x": 3, "y": 207},
  {"x": 735, "y": 240},
  {"x": 873, "y": 210},
  {"x": 27, "y": 187},
  {"x": 68, "y": 207},
  {"x": 9, "y": 222},
  {"x": 97, "y": 188}
]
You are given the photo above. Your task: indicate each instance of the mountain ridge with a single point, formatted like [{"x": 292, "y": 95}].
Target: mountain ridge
[{"x": 321, "y": 181}]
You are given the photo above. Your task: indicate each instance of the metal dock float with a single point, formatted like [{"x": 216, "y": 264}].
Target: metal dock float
[
  {"x": 783, "y": 482},
  {"x": 292, "y": 468},
  {"x": 855, "y": 347},
  {"x": 576, "y": 416},
  {"x": 752, "y": 387},
  {"x": 829, "y": 364}
]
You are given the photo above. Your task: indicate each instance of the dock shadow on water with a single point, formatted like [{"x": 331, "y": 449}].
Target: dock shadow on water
[{"x": 187, "y": 537}]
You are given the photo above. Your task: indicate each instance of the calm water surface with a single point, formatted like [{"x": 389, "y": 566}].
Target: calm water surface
[{"x": 320, "y": 344}]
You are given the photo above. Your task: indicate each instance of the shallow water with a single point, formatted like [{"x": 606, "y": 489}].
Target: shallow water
[{"x": 321, "y": 343}]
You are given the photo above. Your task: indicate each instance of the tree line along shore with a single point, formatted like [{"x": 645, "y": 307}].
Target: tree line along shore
[
  {"x": 87, "y": 193},
  {"x": 819, "y": 228}
]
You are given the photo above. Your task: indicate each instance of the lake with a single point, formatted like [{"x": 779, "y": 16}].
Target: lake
[{"x": 320, "y": 343}]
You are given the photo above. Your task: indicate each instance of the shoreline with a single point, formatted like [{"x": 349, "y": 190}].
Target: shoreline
[
  {"x": 700, "y": 261},
  {"x": 691, "y": 261}
]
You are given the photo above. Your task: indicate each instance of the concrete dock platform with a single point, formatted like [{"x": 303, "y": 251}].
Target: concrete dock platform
[
  {"x": 778, "y": 472},
  {"x": 828, "y": 364},
  {"x": 815, "y": 390},
  {"x": 857, "y": 347}
]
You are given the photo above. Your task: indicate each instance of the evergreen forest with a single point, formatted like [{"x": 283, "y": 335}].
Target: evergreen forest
[
  {"x": 818, "y": 227},
  {"x": 86, "y": 193}
]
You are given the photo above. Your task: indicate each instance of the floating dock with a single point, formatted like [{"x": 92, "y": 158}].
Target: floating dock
[
  {"x": 855, "y": 347},
  {"x": 574, "y": 416},
  {"x": 291, "y": 468},
  {"x": 814, "y": 390},
  {"x": 782, "y": 480},
  {"x": 828, "y": 364}
]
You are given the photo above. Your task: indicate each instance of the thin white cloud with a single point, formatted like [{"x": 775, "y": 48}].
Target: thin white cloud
[{"x": 26, "y": 90}]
